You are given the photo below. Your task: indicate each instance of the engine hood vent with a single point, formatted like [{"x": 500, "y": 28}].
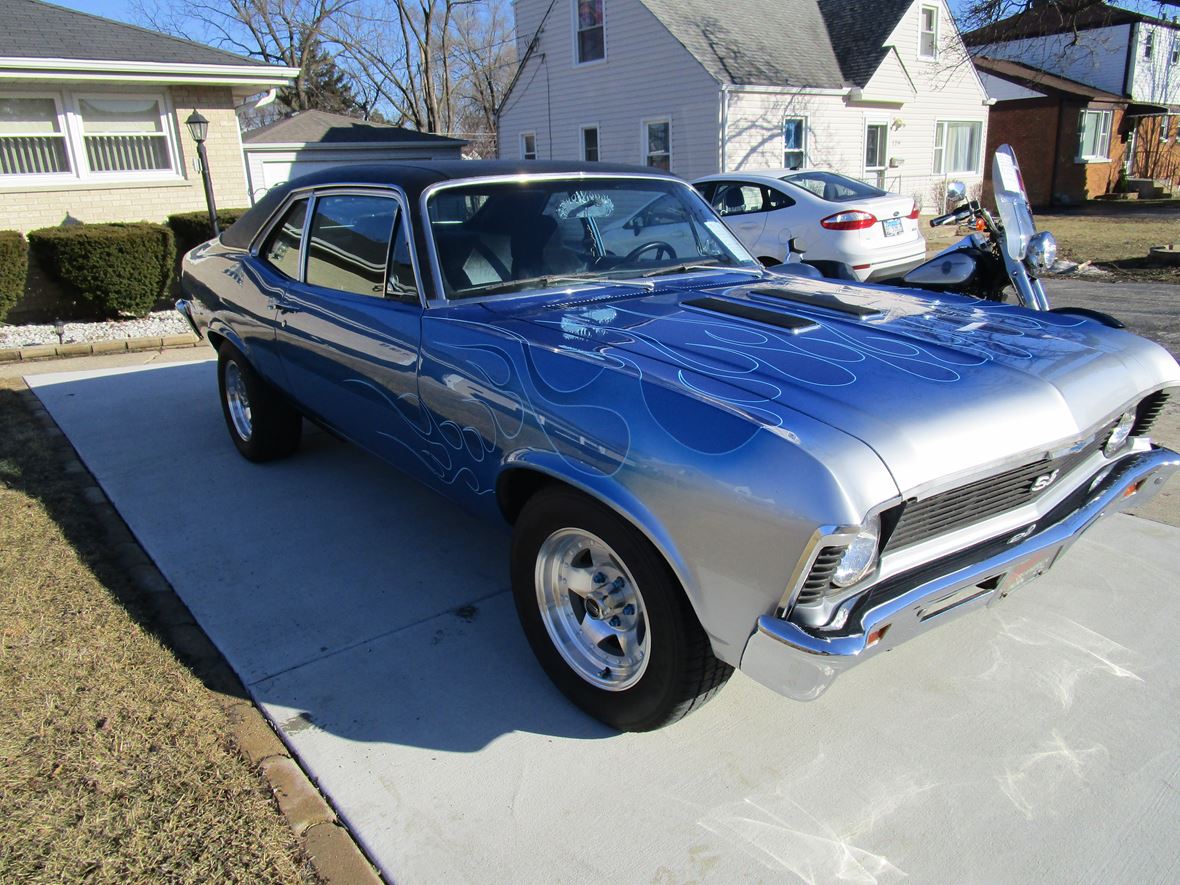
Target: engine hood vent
[
  {"x": 823, "y": 300},
  {"x": 748, "y": 311}
]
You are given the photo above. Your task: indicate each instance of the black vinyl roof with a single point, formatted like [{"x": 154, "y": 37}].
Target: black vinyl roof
[{"x": 414, "y": 178}]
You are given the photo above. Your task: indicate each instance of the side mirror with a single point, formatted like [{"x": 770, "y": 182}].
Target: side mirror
[{"x": 956, "y": 192}]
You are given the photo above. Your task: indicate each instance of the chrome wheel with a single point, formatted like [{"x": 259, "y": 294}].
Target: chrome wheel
[
  {"x": 592, "y": 609},
  {"x": 238, "y": 400}
]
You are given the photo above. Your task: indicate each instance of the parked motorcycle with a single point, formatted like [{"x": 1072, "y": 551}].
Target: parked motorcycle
[{"x": 999, "y": 253}]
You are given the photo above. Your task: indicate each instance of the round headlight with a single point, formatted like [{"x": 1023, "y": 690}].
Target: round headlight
[
  {"x": 860, "y": 556},
  {"x": 1119, "y": 435},
  {"x": 1042, "y": 250}
]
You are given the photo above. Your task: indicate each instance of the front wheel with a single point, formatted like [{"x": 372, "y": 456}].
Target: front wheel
[{"x": 605, "y": 615}]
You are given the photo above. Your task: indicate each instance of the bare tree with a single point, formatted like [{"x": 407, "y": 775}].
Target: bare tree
[{"x": 1064, "y": 13}]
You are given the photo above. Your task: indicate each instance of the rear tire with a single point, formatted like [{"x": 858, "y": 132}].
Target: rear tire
[
  {"x": 605, "y": 615},
  {"x": 261, "y": 423}
]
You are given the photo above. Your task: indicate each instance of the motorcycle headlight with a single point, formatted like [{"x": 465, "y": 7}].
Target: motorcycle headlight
[
  {"x": 1119, "y": 435},
  {"x": 1042, "y": 250},
  {"x": 860, "y": 556}
]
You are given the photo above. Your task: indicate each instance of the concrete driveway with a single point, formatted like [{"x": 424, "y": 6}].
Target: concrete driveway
[{"x": 372, "y": 623}]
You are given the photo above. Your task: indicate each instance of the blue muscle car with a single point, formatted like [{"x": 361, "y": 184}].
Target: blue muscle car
[{"x": 707, "y": 464}]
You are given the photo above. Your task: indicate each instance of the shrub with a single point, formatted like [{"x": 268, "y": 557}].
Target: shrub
[
  {"x": 193, "y": 228},
  {"x": 14, "y": 269},
  {"x": 116, "y": 268}
]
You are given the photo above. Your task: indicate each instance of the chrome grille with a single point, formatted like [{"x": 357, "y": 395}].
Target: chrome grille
[
  {"x": 980, "y": 500},
  {"x": 819, "y": 579},
  {"x": 1149, "y": 409}
]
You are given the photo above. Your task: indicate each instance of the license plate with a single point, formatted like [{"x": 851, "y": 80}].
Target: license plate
[
  {"x": 892, "y": 226},
  {"x": 1028, "y": 569}
]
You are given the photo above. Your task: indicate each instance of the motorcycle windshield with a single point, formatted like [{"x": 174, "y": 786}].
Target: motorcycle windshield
[{"x": 1012, "y": 201}]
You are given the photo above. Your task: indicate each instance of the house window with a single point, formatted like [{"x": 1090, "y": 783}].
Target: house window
[
  {"x": 956, "y": 147},
  {"x": 1165, "y": 127},
  {"x": 1094, "y": 135},
  {"x": 928, "y": 38},
  {"x": 657, "y": 144},
  {"x": 85, "y": 137},
  {"x": 795, "y": 142},
  {"x": 1174, "y": 58},
  {"x": 528, "y": 145},
  {"x": 591, "y": 31},
  {"x": 875, "y": 146},
  {"x": 590, "y": 143},
  {"x": 32, "y": 136},
  {"x": 1149, "y": 45},
  {"x": 124, "y": 134}
]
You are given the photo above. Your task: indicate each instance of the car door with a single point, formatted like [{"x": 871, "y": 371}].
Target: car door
[
  {"x": 782, "y": 218},
  {"x": 740, "y": 205},
  {"x": 348, "y": 333}
]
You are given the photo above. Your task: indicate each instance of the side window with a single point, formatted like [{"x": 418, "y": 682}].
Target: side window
[
  {"x": 775, "y": 199},
  {"x": 732, "y": 198},
  {"x": 402, "y": 284},
  {"x": 281, "y": 249},
  {"x": 349, "y": 243}
]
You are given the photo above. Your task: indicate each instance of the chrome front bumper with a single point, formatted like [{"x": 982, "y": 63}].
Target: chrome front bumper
[{"x": 801, "y": 662}]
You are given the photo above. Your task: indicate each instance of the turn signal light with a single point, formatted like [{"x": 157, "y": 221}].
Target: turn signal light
[{"x": 876, "y": 635}]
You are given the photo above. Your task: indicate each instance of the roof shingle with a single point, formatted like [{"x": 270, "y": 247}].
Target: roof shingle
[{"x": 321, "y": 127}]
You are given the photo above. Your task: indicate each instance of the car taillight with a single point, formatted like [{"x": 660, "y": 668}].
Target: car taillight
[
  {"x": 853, "y": 219},
  {"x": 914, "y": 213}
]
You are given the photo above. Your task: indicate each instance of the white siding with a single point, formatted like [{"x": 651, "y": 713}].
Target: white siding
[
  {"x": 647, "y": 74},
  {"x": 946, "y": 89},
  {"x": 1156, "y": 80},
  {"x": 1098, "y": 59}
]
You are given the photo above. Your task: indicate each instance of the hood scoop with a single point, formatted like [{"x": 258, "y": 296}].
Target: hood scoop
[
  {"x": 747, "y": 311},
  {"x": 823, "y": 300}
]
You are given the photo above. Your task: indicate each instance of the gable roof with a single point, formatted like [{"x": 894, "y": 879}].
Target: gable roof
[
  {"x": 859, "y": 29},
  {"x": 34, "y": 29},
  {"x": 1027, "y": 75},
  {"x": 1051, "y": 19},
  {"x": 321, "y": 127},
  {"x": 822, "y": 44}
]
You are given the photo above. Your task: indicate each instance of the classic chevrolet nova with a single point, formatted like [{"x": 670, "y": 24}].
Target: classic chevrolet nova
[{"x": 707, "y": 464}]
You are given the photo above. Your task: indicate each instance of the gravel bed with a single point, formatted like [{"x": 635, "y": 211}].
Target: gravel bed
[{"x": 154, "y": 325}]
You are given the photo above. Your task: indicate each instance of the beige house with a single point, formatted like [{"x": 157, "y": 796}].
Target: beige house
[{"x": 92, "y": 118}]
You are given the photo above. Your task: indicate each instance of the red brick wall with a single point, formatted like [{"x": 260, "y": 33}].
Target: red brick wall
[
  {"x": 1156, "y": 158},
  {"x": 1030, "y": 126}
]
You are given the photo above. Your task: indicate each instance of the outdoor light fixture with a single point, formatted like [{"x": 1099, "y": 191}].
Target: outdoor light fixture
[
  {"x": 198, "y": 127},
  {"x": 60, "y": 328}
]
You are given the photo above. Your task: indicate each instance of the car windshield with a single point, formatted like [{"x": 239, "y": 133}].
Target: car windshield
[
  {"x": 505, "y": 236},
  {"x": 832, "y": 187}
]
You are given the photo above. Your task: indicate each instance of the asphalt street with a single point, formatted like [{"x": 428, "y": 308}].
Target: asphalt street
[{"x": 370, "y": 620}]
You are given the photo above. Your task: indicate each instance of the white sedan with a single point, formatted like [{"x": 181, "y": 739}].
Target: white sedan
[{"x": 830, "y": 217}]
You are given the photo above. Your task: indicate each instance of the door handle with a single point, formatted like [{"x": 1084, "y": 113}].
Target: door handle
[{"x": 281, "y": 306}]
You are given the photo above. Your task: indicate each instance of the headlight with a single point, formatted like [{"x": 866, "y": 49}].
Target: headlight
[
  {"x": 1119, "y": 435},
  {"x": 860, "y": 556},
  {"x": 1042, "y": 250}
]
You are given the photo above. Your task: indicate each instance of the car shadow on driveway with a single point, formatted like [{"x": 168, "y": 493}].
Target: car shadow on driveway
[{"x": 346, "y": 596}]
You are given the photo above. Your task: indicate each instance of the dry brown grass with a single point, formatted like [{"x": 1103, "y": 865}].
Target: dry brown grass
[
  {"x": 1116, "y": 238},
  {"x": 115, "y": 765}
]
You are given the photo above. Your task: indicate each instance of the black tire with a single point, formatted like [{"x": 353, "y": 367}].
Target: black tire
[
  {"x": 273, "y": 428},
  {"x": 681, "y": 671}
]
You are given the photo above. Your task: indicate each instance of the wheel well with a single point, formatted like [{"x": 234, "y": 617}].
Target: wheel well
[
  {"x": 215, "y": 339},
  {"x": 516, "y": 486}
]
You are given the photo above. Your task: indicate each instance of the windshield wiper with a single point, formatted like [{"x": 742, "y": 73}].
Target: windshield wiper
[
  {"x": 686, "y": 268},
  {"x": 547, "y": 282}
]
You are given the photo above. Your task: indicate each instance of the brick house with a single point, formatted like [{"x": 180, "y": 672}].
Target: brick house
[
  {"x": 92, "y": 118},
  {"x": 1065, "y": 133},
  {"x": 1114, "y": 73}
]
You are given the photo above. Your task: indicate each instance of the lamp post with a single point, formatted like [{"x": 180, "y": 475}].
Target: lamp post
[{"x": 198, "y": 128}]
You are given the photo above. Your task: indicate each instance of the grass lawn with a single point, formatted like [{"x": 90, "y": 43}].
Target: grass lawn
[
  {"x": 115, "y": 761},
  {"x": 1114, "y": 236}
]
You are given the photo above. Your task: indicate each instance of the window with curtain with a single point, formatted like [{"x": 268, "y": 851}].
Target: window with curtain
[
  {"x": 32, "y": 137},
  {"x": 928, "y": 39},
  {"x": 876, "y": 135},
  {"x": 956, "y": 146},
  {"x": 795, "y": 142},
  {"x": 124, "y": 134},
  {"x": 657, "y": 140},
  {"x": 1094, "y": 135},
  {"x": 591, "y": 31}
]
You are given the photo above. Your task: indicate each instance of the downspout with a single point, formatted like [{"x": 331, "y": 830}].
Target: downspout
[{"x": 723, "y": 166}]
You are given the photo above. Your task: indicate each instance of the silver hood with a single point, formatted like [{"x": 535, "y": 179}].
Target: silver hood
[{"x": 940, "y": 387}]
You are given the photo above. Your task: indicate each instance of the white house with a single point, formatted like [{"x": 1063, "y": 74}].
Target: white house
[{"x": 876, "y": 89}]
